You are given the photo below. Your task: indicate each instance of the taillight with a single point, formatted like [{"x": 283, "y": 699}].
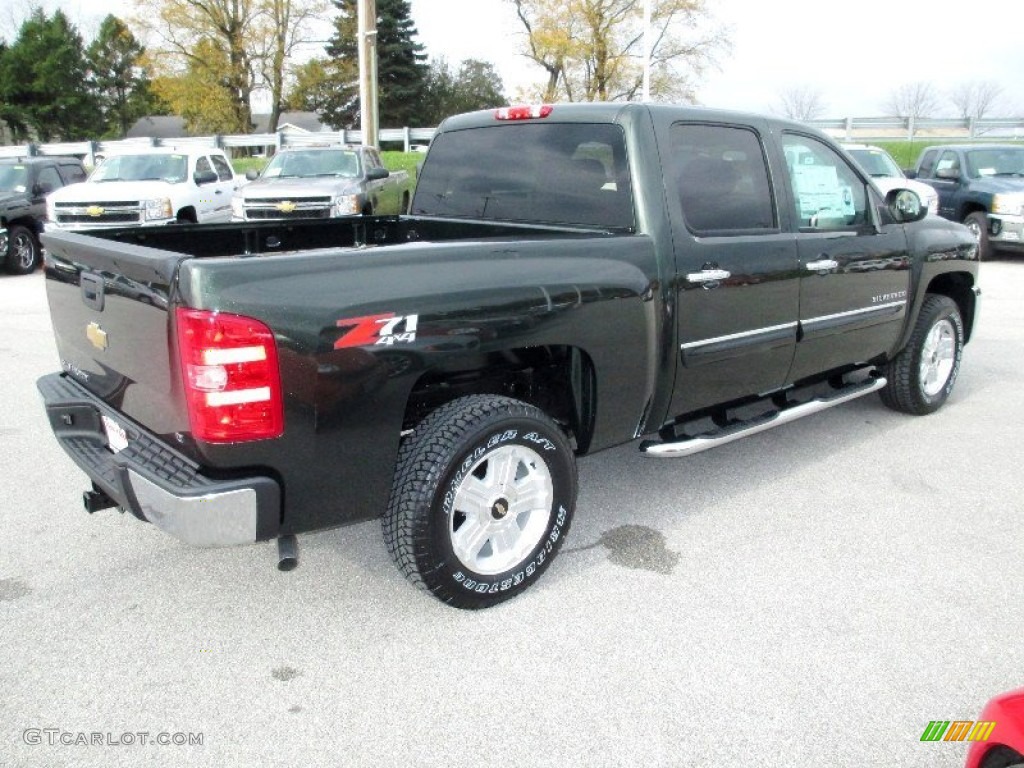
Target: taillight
[
  {"x": 525, "y": 112},
  {"x": 232, "y": 383}
]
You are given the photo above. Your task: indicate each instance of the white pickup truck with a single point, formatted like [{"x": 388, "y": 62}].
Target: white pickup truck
[{"x": 147, "y": 187}]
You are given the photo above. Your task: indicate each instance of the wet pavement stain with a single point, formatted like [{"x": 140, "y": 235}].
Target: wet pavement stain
[
  {"x": 285, "y": 673},
  {"x": 12, "y": 589},
  {"x": 637, "y": 547}
]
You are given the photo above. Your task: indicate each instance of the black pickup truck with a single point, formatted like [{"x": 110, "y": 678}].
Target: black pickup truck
[
  {"x": 24, "y": 184},
  {"x": 571, "y": 277}
]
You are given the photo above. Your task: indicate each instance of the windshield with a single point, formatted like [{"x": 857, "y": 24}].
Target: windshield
[
  {"x": 13, "y": 178},
  {"x": 877, "y": 163},
  {"x": 305, "y": 164},
  {"x": 544, "y": 173},
  {"x": 998, "y": 161},
  {"x": 169, "y": 168}
]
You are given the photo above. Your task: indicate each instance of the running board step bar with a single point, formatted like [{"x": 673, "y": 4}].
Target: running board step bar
[{"x": 690, "y": 445}]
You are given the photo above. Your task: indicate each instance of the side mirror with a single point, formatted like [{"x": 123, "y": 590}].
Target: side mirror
[
  {"x": 905, "y": 206},
  {"x": 204, "y": 177},
  {"x": 910, "y": 173},
  {"x": 376, "y": 174},
  {"x": 252, "y": 174},
  {"x": 42, "y": 189},
  {"x": 949, "y": 174}
]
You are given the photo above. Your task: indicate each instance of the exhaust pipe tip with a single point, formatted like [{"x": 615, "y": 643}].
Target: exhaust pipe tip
[{"x": 287, "y": 553}]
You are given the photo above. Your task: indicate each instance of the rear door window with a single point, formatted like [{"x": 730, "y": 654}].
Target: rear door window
[
  {"x": 721, "y": 179},
  {"x": 544, "y": 173}
]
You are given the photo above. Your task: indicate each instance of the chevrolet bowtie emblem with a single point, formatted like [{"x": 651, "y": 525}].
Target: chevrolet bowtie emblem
[
  {"x": 96, "y": 335},
  {"x": 94, "y": 210},
  {"x": 286, "y": 206}
]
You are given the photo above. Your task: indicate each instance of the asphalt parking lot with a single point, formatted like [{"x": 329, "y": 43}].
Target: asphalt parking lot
[{"x": 810, "y": 596}]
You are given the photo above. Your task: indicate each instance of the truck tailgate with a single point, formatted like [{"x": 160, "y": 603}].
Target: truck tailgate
[{"x": 109, "y": 307}]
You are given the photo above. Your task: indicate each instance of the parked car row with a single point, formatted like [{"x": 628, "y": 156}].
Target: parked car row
[{"x": 159, "y": 186}]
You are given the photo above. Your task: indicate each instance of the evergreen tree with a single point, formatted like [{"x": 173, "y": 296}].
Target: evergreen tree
[
  {"x": 401, "y": 71},
  {"x": 120, "y": 82},
  {"x": 44, "y": 81}
]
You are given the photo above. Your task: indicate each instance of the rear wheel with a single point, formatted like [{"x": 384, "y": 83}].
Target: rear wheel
[
  {"x": 977, "y": 222},
  {"x": 483, "y": 496},
  {"x": 921, "y": 378},
  {"x": 23, "y": 251}
]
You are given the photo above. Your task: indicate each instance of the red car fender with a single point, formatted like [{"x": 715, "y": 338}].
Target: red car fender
[{"x": 1007, "y": 711}]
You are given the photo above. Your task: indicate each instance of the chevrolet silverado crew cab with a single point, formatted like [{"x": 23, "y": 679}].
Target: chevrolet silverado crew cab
[
  {"x": 24, "y": 184},
  {"x": 148, "y": 187},
  {"x": 981, "y": 185},
  {"x": 571, "y": 277},
  {"x": 323, "y": 182}
]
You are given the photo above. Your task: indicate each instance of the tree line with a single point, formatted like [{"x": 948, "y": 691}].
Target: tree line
[{"x": 205, "y": 59}]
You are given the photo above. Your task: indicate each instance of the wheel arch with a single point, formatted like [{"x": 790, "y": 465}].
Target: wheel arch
[
  {"x": 958, "y": 286},
  {"x": 560, "y": 380},
  {"x": 187, "y": 213}
]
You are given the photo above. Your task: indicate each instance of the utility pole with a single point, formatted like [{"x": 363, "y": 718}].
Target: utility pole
[
  {"x": 368, "y": 115},
  {"x": 648, "y": 42}
]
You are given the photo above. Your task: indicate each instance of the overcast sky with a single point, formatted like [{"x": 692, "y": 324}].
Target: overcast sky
[{"x": 855, "y": 53}]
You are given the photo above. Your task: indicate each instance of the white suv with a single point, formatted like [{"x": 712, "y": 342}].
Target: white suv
[
  {"x": 147, "y": 187},
  {"x": 880, "y": 166}
]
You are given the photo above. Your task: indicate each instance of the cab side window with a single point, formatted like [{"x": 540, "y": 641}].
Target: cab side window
[
  {"x": 827, "y": 192},
  {"x": 223, "y": 169},
  {"x": 927, "y": 163},
  {"x": 72, "y": 173},
  {"x": 949, "y": 162},
  {"x": 722, "y": 179},
  {"x": 49, "y": 179},
  {"x": 203, "y": 165}
]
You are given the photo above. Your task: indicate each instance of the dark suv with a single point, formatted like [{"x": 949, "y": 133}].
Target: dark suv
[{"x": 24, "y": 184}]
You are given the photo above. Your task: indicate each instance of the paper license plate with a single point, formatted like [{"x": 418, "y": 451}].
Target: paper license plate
[{"x": 117, "y": 438}]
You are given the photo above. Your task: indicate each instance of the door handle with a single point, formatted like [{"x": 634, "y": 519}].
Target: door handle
[
  {"x": 708, "y": 276},
  {"x": 822, "y": 264},
  {"x": 219, "y": 192}
]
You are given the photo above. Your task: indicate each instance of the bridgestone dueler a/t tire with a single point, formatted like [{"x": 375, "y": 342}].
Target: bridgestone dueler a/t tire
[
  {"x": 437, "y": 460},
  {"x": 904, "y": 390}
]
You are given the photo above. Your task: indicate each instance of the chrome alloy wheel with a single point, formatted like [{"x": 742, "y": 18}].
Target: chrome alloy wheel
[
  {"x": 974, "y": 227},
  {"x": 23, "y": 250},
  {"x": 502, "y": 509},
  {"x": 938, "y": 356}
]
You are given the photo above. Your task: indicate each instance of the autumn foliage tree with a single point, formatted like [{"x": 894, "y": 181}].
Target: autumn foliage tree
[
  {"x": 254, "y": 41},
  {"x": 592, "y": 50}
]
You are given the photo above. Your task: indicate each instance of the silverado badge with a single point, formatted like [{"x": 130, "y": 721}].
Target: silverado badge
[
  {"x": 96, "y": 335},
  {"x": 94, "y": 210},
  {"x": 286, "y": 206}
]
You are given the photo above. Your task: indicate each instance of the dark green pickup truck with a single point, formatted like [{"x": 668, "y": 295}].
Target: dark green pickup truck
[{"x": 570, "y": 278}]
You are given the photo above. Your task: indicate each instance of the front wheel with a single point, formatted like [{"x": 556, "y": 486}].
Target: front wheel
[
  {"x": 23, "y": 251},
  {"x": 483, "y": 497},
  {"x": 977, "y": 222},
  {"x": 921, "y": 378}
]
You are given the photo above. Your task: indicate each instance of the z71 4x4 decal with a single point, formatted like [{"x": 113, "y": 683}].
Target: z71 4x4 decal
[{"x": 386, "y": 329}]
